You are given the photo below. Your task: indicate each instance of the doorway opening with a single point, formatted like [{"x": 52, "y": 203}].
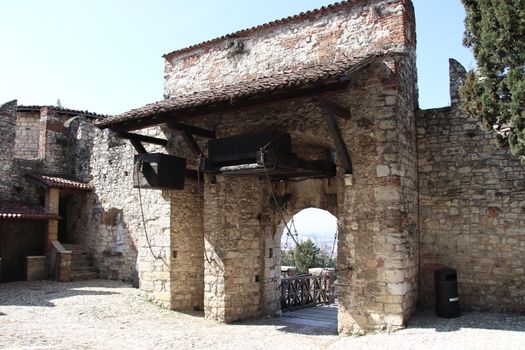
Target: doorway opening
[{"x": 308, "y": 274}]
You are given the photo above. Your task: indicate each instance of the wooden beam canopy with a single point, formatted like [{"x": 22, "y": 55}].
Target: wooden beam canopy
[
  {"x": 142, "y": 138},
  {"x": 247, "y": 102},
  {"x": 192, "y": 130}
]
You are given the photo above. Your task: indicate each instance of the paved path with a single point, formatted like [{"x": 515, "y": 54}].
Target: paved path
[{"x": 101, "y": 314}]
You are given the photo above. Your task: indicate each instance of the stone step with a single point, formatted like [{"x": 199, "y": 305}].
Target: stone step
[
  {"x": 81, "y": 263},
  {"x": 82, "y": 260},
  {"x": 72, "y": 246},
  {"x": 79, "y": 276},
  {"x": 83, "y": 268}
]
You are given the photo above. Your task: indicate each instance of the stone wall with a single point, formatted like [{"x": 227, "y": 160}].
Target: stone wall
[
  {"x": 472, "y": 209},
  {"x": 7, "y": 140},
  {"x": 115, "y": 232},
  {"x": 350, "y": 29}
]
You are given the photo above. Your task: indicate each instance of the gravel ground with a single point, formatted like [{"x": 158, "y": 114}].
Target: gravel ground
[{"x": 102, "y": 314}]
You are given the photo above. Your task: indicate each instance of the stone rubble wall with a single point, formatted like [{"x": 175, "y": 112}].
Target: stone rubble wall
[
  {"x": 7, "y": 140},
  {"x": 354, "y": 29},
  {"x": 114, "y": 230},
  {"x": 472, "y": 211}
]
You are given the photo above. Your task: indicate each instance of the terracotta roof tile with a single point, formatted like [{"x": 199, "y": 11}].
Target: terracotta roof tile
[
  {"x": 60, "y": 182},
  {"x": 24, "y": 211},
  {"x": 279, "y": 82},
  {"x": 286, "y": 20},
  {"x": 62, "y": 110}
]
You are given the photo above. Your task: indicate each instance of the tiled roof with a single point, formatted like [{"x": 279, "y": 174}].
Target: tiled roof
[
  {"x": 230, "y": 94},
  {"x": 62, "y": 110},
  {"x": 60, "y": 182},
  {"x": 286, "y": 20},
  {"x": 24, "y": 211}
]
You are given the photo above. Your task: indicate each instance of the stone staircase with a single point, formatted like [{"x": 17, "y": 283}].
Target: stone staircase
[{"x": 81, "y": 263}]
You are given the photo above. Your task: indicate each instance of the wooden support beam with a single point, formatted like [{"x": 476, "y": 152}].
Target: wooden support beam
[
  {"x": 338, "y": 110},
  {"x": 194, "y": 146},
  {"x": 138, "y": 146},
  {"x": 190, "y": 140},
  {"x": 192, "y": 130},
  {"x": 340, "y": 145},
  {"x": 142, "y": 138}
]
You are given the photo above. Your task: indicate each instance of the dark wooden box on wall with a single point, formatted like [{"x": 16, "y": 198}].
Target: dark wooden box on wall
[
  {"x": 242, "y": 149},
  {"x": 159, "y": 171}
]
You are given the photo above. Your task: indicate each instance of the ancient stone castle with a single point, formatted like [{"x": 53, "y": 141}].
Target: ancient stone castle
[{"x": 188, "y": 196}]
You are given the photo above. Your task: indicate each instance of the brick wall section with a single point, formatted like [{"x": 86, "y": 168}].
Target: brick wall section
[
  {"x": 472, "y": 210},
  {"x": 27, "y": 134},
  {"x": 7, "y": 139},
  {"x": 354, "y": 29}
]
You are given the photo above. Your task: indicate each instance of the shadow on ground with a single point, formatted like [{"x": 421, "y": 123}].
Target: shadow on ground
[
  {"x": 469, "y": 319},
  {"x": 42, "y": 293},
  {"x": 422, "y": 322}
]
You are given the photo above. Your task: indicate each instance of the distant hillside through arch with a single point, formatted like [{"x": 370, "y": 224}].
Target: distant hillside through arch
[{"x": 312, "y": 223}]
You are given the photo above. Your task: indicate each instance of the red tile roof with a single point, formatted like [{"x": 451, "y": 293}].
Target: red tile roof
[
  {"x": 60, "y": 182},
  {"x": 230, "y": 94},
  {"x": 24, "y": 211},
  {"x": 62, "y": 110},
  {"x": 301, "y": 16}
]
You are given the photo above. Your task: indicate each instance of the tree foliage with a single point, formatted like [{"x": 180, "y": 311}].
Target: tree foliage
[
  {"x": 306, "y": 255},
  {"x": 495, "y": 30}
]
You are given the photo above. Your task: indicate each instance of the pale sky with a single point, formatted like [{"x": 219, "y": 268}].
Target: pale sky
[{"x": 105, "y": 55}]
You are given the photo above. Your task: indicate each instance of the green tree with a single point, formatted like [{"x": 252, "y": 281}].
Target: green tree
[
  {"x": 306, "y": 255},
  {"x": 495, "y": 30}
]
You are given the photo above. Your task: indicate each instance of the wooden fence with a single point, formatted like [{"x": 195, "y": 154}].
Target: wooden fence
[{"x": 305, "y": 291}]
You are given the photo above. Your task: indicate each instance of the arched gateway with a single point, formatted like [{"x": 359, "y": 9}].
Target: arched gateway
[{"x": 313, "y": 110}]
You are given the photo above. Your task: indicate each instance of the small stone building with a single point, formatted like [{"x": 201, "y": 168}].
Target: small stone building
[{"x": 337, "y": 88}]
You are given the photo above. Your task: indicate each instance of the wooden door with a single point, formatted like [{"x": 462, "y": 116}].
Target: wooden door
[{"x": 12, "y": 251}]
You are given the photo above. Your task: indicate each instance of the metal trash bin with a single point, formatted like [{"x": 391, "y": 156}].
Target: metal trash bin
[{"x": 447, "y": 299}]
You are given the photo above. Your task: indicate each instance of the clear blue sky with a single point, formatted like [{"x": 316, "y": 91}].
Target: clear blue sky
[{"x": 105, "y": 55}]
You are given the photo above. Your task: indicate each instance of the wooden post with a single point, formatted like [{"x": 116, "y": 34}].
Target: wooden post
[{"x": 51, "y": 206}]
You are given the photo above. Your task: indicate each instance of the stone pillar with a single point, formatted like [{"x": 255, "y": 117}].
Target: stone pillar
[
  {"x": 378, "y": 230},
  {"x": 233, "y": 251},
  {"x": 187, "y": 246},
  {"x": 53, "y": 142},
  {"x": 457, "y": 74},
  {"x": 51, "y": 206},
  {"x": 63, "y": 273}
]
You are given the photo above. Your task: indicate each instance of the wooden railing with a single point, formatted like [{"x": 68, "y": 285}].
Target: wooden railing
[{"x": 305, "y": 291}]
